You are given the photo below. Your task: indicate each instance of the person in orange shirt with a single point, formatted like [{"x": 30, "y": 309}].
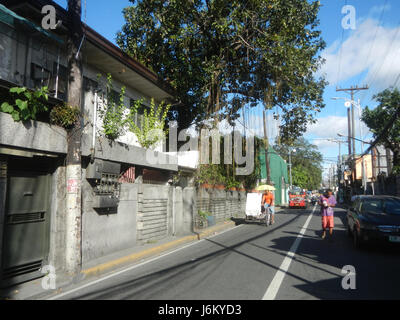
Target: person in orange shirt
[{"x": 268, "y": 203}]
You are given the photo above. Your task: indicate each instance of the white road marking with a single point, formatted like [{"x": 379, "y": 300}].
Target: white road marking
[
  {"x": 276, "y": 282},
  {"x": 136, "y": 266}
]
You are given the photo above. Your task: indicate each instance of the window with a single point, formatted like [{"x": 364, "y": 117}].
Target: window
[
  {"x": 62, "y": 85},
  {"x": 392, "y": 206},
  {"x": 114, "y": 96},
  {"x": 89, "y": 84},
  {"x": 40, "y": 76},
  {"x": 139, "y": 114},
  {"x": 372, "y": 206}
]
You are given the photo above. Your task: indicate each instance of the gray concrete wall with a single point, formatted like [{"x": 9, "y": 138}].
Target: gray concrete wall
[
  {"x": 103, "y": 234},
  {"x": 121, "y": 152},
  {"x": 222, "y": 204},
  {"x": 33, "y": 135}
]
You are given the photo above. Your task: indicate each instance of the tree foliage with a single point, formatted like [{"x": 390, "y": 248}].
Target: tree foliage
[
  {"x": 375, "y": 119},
  {"x": 222, "y": 54},
  {"x": 306, "y": 163},
  {"x": 225, "y": 173}
]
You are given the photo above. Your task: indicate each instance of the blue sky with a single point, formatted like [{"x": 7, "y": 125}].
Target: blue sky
[{"x": 370, "y": 54}]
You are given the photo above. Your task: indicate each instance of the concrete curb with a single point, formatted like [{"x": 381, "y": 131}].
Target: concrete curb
[{"x": 155, "y": 250}]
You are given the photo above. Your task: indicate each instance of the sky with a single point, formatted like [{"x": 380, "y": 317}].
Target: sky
[{"x": 369, "y": 55}]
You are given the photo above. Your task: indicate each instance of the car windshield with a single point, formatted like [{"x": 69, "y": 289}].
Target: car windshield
[
  {"x": 392, "y": 206},
  {"x": 388, "y": 206},
  {"x": 372, "y": 206}
]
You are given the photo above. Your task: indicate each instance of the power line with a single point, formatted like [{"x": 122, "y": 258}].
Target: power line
[
  {"x": 376, "y": 32},
  {"x": 373, "y": 79},
  {"x": 340, "y": 53},
  {"x": 395, "y": 83}
]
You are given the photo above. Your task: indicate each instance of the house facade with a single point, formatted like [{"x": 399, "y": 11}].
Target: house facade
[{"x": 126, "y": 200}]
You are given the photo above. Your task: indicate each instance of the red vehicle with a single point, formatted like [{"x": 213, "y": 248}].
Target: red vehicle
[{"x": 297, "y": 199}]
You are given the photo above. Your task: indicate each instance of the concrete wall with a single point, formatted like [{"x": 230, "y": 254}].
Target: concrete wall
[
  {"x": 146, "y": 213},
  {"x": 221, "y": 204},
  {"x": 33, "y": 135},
  {"x": 103, "y": 234}
]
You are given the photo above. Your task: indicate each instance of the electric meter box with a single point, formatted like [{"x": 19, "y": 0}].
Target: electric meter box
[
  {"x": 98, "y": 167},
  {"x": 104, "y": 202}
]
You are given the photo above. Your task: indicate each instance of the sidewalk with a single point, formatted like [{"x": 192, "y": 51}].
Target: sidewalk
[{"x": 33, "y": 290}]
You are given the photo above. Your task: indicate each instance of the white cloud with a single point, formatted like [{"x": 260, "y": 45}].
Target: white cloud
[
  {"x": 378, "y": 55},
  {"x": 329, "y": 127},
  {"x": 377, "y": 10}
]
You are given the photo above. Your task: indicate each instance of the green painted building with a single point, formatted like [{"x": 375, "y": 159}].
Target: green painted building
[{"x": 278, "y": 172}]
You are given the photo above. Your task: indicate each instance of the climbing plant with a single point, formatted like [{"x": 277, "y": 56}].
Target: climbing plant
[
  {"x": 151, "y": 130},
  {"x": 113, "y": 111}
]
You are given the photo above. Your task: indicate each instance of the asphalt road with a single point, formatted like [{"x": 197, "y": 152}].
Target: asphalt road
[{"x": 287, "y": 260}]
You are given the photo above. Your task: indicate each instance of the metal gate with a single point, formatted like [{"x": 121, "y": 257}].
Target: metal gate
[{"x": 26, "y": 221}]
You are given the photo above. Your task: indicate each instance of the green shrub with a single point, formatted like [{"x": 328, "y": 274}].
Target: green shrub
[
  {"x": 204, "y": 214},
  {"x": 64, "y": 115},
  {"x": 24, "y": 104}
]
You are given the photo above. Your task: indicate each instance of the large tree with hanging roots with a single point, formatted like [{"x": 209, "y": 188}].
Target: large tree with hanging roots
[{"x": 220, "y": 55}]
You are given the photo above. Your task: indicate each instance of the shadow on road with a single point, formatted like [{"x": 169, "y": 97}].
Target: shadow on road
[
  {"x": 376, "y": 270},
  {"x": 151, "y": 285}
]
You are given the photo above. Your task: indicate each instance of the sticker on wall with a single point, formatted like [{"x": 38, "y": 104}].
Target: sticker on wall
[{"x": 72, "y": 186}]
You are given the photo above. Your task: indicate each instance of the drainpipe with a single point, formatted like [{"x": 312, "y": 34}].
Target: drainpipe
[
  {"x": 58, "y": 67},
  {"x": 93, "y": 149}
]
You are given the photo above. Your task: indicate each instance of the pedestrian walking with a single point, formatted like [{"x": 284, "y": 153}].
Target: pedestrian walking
[
  {"x": 327, "y": 202},
  {"x": 267, "y": 202}
]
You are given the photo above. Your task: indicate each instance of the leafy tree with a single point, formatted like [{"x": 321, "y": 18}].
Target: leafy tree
[
  {"x": 225, "y": 173},
  {"x": 306, "y": 163},
  {"x": 389, "y": 103},
  {"x": 219, "y": 55}
]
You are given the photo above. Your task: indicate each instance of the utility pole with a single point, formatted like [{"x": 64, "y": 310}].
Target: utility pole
[
  {"x": 290, "y": 168},
  {"x": 353, "y": 90},
  {"x": 73, "y": 161},
  {"x": 267, "y": 168}
]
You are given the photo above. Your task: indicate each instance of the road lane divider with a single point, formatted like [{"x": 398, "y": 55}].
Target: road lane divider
[{"x": 276, "y": 282}]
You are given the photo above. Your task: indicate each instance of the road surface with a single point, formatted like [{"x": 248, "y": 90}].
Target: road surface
[{"x": 287, "y": 260}]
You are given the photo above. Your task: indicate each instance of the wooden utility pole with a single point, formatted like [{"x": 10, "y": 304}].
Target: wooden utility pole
[
  {"x": 267, "y": 167},
  {"x": 73, "y": 161}
]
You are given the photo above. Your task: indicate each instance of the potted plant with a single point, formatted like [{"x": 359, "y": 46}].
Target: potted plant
[
  {"x": 207, "y": 216},
  {"x": 64, "y": 115}
]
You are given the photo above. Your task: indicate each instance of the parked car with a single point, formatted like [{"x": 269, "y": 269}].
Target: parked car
[{"x": 374, "y": 218}]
